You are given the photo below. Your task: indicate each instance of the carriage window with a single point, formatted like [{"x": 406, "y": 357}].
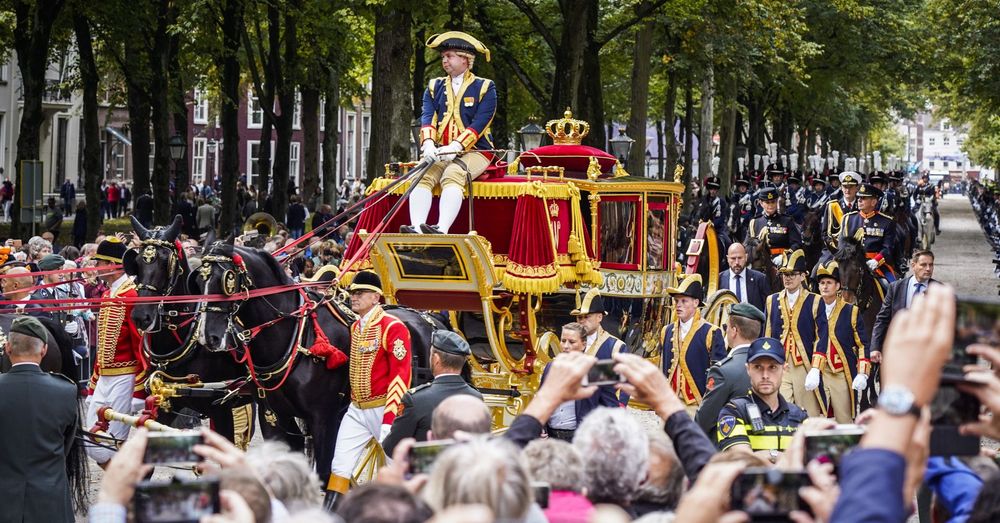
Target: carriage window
[
  {"x": 618, "y": 229},
  {"x": 421, "y": 262},
  {"x": 655, "y": 236}
]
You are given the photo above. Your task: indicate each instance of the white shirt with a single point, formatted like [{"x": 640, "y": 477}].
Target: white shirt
[
  {"x": 26, "y": 363},
  {"x": 590, "y": 340},
  {"x": 685, "y": 327},
  {"x": 367, "y": 315},
  {"x": 829, "y": 307},
  {"x": 564, "y": 418},
  {"x": 456, "y": 83},
  {"x": 118, "y": 283},
  {"x": 742, "y": 284},
  {"x": 911, "y": 289},
  {"x": 792, "y": 297}
]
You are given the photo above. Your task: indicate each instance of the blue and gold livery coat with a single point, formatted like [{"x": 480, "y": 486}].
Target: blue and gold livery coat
[
  {"x": 465, "y": 117},
  {"x": 800, "y": 328},
  {"x": 847, "y": 348},
  {"x": 686, "y": 362}
]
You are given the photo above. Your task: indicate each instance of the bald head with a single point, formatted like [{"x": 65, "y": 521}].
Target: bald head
[
  {"x": 737, "y": 257},
  {"x": 460, "y": 412},
  {"x": 17, "y": 278}
]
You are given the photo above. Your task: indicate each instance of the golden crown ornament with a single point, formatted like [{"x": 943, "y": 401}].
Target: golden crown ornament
[{"x": 567, "y": 130}]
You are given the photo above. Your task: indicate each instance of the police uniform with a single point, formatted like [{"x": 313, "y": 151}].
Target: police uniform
[
  {"x": 418, "y": 404},
  {"x": 846, "y": 356},
  {"x": 727, "y": 378},
  {"x": 456, "y": 115},
  {"x": 835, "y": 211},
  {"x": 119, "y": 368},
  {"x": 379, "y": 375},
  {"x": 876, "y": 232},
  {"x": 688, "y": 354},
  {"x": 799, "y": 326},
  {"x": 748, "y": 420},
  {"x": 778, "y": 229}
]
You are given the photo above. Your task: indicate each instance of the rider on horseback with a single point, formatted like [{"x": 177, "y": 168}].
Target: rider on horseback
[
  {"x": 778, "y": 229},
  {"x": 837, "y": 208},
  {"x": 876, "y": 232},
  {"x": 713, "y": 207},
  {"x": 742, "y": 206}
]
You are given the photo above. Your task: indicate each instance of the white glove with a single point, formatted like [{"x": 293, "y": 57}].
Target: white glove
[
  {"x": 860, "y": 382},
  {"x": 384, "y": 432},
  {"x": 812, "y": 379},
  {"x": 446, "y": 153},
  {"x": 776, "y": 261},
  {"x": 428, "y": 149},
  {"x": 872, "y": 264},
  {"x": 72, "y": 328}
]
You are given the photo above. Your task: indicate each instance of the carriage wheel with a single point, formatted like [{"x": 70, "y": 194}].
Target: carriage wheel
[{"x": 716, "y": 308}]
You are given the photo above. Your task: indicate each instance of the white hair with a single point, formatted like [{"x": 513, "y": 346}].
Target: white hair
[
  {"x": 287, "y": 475},
  {"x": 615, "y": 452}
]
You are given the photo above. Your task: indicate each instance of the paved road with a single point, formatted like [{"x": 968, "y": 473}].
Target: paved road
[{"x": 963, "y": 257}]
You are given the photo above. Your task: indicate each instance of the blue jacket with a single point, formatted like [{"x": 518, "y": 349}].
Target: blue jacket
[
  {"x": 465, "y": 118},
  {"x": 865, "y": 473},
  {"x": 704, "y": 345},
  {"x": 877, "y": 233}
]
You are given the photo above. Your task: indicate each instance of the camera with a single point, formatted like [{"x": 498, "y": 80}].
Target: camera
[
  {"x": 176, "y": 501},
  {"x": 830, "y": 446},
  {"x": 172, "y": 447},
  {"x": 977, "y": 320},
  {"x": 603, "y": 373},
  {"x": 950, "y": 408},
  {"x": 767, "y": 494},
  {"x": 423, "y": 454}
]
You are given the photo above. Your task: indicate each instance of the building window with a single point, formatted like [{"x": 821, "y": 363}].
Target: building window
[
  {"x": 930, "y": 140},
  {"x": 198, "y": 156},
  {"x": 118, "y": 156},
  {"x": 322, "y": 114},
  {"x": 932, "y": 164},
  {"x": 350, "y": 146},
  {"x": 3, "y": 72},
  {"x": 297, "y": 112},
  {"x": 152, "y": 157},
  {"x": 200, "y": 107},
  {"x": 946, "y": 140},
  {"x": 366, "y": 128},
  {"x": 959, "y": 141},
  {"x": 945, "y": 125},
  {"x": 255, "y": 113},
  {"x": 253, "y": 155},
  {"x": 293, "y": 163}
]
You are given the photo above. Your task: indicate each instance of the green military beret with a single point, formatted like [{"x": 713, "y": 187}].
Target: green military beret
[
  {"x": 747, "y": 311},
  {"x": 30, "y": 326},
  {"x": 447, "y": 341},
  {"x": 51, "y": 262}
]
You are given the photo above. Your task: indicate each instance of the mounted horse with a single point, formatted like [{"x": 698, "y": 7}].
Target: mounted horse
[
  {"x": 759, "y": 259},
  {"x": 170, "y": 342},
  {"x": 812, "y": 235}
]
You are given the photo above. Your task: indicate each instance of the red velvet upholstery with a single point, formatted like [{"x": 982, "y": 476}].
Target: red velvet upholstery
[{"x": 573, "y": 158}]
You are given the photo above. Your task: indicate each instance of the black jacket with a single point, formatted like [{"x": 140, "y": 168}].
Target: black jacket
[
  {"x": 756, "y": 283},
  {"x": 895, "y": 300},
  {"x": 418, "y": 406},
  {"x": 33, "y": 454}
]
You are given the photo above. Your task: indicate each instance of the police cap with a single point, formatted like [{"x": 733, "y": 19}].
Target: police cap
[{"x": 766, "y": 348}]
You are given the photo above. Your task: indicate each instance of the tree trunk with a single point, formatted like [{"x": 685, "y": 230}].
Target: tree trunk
[
  {"x": 669, "y": 126},
  {"x": 331, "y": 114},
  {"x": 688, "y": 142},
  {"x": 32, "y": 32},
  {"x": 755, "y": 146},
  {"x": 90, "y": 126},
  {"x": 178, "y": 106},
  {"x": 707, "y": 127},
  {"x": 501, "y": 127},
  {"x": 137, "y": 99},
  {"x": 591, "y": 87},
  {"x": 639, "y": 101},
  {"x": 389, "y": 139},
  {"x": 569, "y": 57},
  {"x": 232, "y": 27},
  {"x": 310, "y": 147},
  {"x": 728, "y": 138},
  {"x": 286, "y": 70},
  {"x": 659, "y": 149},
  {"x": 419, "y": 72},
  {"x": 160, "y": 97}
]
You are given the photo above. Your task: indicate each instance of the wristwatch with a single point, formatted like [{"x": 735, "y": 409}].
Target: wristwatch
[
  {"x": 897, "y": 400},
  {"x": 774, "y": 456}
]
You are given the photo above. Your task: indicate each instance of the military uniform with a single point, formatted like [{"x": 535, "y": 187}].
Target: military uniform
[
  {"x": 876, "y": 232},
  {"x": 799, "y": 326},
  {"x": 834, "y": 212},
  {"x": 688, "y": 355},
  {"x": 778, "y": 229},
  {"x": 414, "y": 420}
]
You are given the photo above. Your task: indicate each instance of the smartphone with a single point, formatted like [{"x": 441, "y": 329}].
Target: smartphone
[
  {"x": 829, "y": 446},
  {"x": 950, "y": 408},
  {"x": 542, "y": 491},
  {"x": 767, "y": 494},
  {"x": 176, "y": 501},
  {"x": 977, "y": 320},
  {"x": 172, "y": 447},
  {"x": 603, "y": 373},
  {"x": 423, "y": 454}
]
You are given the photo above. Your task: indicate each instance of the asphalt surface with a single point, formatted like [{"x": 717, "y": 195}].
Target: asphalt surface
[{"x": 962, "y": 255}]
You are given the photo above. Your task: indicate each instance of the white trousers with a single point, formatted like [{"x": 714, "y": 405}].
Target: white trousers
[
  {"x": 357, "y": 428},
  {"x": 114, "y": 392}
]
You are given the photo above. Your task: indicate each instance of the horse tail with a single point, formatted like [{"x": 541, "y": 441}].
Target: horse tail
[
  {"x": 78, "y": 470},
  {"x": 64, "y": 343}
]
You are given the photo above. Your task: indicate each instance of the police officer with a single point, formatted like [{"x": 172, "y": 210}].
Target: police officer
[
  {"x": 844, "y": 361},
  {"x": 449, "y": 355},
  {"x": 762, "y": 422},
  {"x": 836, "y": 208},
  {"x": 728, "y": 378},
  {"x": 777, "y": 229},
  {"x": 875, "y": 231},
  {"x": 689, "y": 344},
  {"x": 794, "y": 317}
]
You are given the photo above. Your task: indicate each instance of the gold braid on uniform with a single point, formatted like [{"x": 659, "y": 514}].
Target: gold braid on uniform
[{"x": 364, "y": 349}]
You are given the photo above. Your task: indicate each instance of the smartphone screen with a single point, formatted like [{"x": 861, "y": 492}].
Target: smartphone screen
[
  {"x": 977, "y": 320},
  {"x": 765, "y": 493},
  {"x": 829, "y": 446},
  {"x": 603, "y": 373},
  {"x": 423, "y": 454},
  {"x": 176, "y": 501},
  {"x": 172, "y": 447},
  {"x": 950, "y": 407}
]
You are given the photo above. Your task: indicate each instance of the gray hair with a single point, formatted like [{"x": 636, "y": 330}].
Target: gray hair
[
  {"x": 37, "y": 243},
  {"x": 461, "y": 412},
  {"x": 24, "y": 346},
  {"x": 658, "y": 488},
  {"x": 482, "y": 472},
  {"x": 287, "y": 475},
  {"x": 615, "y": 452},
  {"x": 555, "y": 462}
]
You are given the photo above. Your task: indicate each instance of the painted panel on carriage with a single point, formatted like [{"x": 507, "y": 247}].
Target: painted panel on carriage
[{"x": 429, "y": 262}]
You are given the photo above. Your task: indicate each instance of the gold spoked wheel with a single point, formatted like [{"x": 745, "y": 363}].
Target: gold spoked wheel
[{"x": 716, "y": 308}]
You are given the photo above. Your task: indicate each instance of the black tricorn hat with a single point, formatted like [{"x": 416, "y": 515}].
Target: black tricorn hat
[
  {"x": 458, "y": 41},
  {"x": 592, "y": 302}
]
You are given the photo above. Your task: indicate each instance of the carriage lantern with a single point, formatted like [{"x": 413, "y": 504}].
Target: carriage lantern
[
  {"x": 531, "y": 136},
  {"x": 621, "y": 144}
]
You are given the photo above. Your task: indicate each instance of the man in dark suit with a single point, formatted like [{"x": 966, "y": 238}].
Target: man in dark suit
[
  {"x": 449, "y": 353},
  {"x": 748, "y": 285},
  {"x": 728, "y": 378},
  {"x": 900, "y": 295},
  {"x": 44, "y": 409}
]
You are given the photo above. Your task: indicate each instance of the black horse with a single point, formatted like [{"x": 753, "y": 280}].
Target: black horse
[
  {"x": 759, "y": 259},
  {"x": 160, "y": 268}
]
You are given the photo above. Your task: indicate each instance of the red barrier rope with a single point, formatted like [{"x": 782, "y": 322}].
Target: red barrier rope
[{"x": 109, "y": 268}]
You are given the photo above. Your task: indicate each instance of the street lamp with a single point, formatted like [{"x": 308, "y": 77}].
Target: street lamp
[
  {"x": 621, "y": 145},
  {"x": 531, "y": 136},
  {"x": 649, "y": 162},
  {"x": 177, "y": 148}
]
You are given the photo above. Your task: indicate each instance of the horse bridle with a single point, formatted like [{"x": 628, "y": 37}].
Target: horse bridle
[
  {"x": 235, "y": 280},
  {"x": 148, "y": 255}
]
